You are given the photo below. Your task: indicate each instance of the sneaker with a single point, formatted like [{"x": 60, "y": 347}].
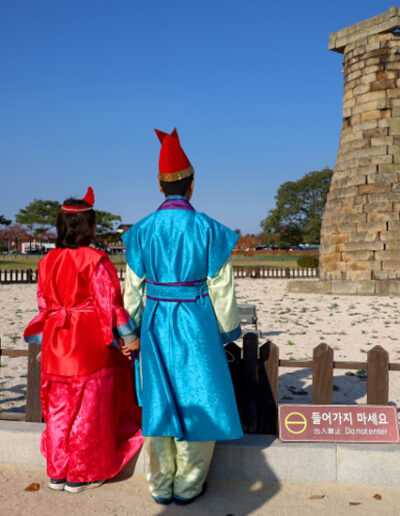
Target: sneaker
[
  {"x": 163, "y": 501},
  {"x": 57, "y": 484},
  {"x": 187, "y": 501},
  {"x": 77, "y": 487}
]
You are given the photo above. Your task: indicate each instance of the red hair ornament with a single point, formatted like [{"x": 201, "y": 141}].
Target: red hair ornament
[{"x": 89, "y": 198}]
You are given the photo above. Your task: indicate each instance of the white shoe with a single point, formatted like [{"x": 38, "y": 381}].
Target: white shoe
[
  {"x": 57, "y": 484},
  {"x": 77, "y": 487}
]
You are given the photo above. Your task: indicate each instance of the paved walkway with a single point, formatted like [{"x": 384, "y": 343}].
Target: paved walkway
[{"x": 129, "y": 496}]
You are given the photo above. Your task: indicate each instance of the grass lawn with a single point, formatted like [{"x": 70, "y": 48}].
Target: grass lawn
[
  {"x": 276, "y": 260},
  {"x": 31, "y": 261}
]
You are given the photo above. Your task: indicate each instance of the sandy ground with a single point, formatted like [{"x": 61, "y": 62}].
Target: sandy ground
[
  {"x": 127, "y": 496},
  {"x": 297, "y": 323}
]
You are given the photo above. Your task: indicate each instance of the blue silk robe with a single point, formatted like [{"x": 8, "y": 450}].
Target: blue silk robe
[{"x": 178, "y": 255}]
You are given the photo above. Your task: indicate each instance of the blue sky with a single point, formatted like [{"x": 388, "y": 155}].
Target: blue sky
[{"x": 251, "y": 87}]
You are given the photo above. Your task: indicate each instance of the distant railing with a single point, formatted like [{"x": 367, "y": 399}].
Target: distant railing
[
  {"x": 18, "y": 276},
  {"x": 275, "y": 272},
  {"x": 30, "y": 275}
]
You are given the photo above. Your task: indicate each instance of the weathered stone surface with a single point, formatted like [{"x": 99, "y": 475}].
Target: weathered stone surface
[
  {"x": 371, "y": 226},
  {"x": 380, "y": 275},
  {"x": 382, "y": 140},
  {"x": 383, "y": 217},
  {"x": 390, "y": 265},
  {"x": 393, "y": 245},
  {"x": 373, "y": 189},
  {"x": 355, "y": 256},
  {"x": 387, "y": 236},
  {"x": 387, "y": 256},
  {"x": 343, "y": 287},
  {"x": 362, "y": 236},
  {"x": 374, "y": 114},
  {"x": 363, "y": 246},
  {"x": 376, "y": 132},
  {"x": 309, "y": 287},
  {"x": 378, "y": 206},
  {"x": 365, "y": 288},
  {"x": 388, "y": 288}
]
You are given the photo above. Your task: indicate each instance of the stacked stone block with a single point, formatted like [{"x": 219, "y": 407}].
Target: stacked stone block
[{"x": 360, "y": 236}]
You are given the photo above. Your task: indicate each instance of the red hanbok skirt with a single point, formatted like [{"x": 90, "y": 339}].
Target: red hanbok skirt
[{"x": 92, "y": 424}]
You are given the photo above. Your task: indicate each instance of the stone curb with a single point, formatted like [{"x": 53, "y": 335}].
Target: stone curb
[{"x": 252, "y": 458}]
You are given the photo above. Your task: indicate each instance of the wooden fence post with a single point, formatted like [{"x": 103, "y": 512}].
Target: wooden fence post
[
  {"x": 233, "y": 354},
  {"x": 322, "y": 382},
  {"x": 29, "y": 276},
  {"x": 268, "y": 389},
  {"x": 33, "y": 407},
  {"x": 250, "y": 382},
  {"x": 378, "y": 376}
]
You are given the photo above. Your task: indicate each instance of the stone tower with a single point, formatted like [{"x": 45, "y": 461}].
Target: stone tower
[{"x": 360, "y": 236}]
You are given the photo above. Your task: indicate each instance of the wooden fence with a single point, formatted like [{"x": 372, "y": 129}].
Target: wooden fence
[
  {"x": 30, "y": 275},
  {"x": 255, "y": 373},
  {"x": 33, "y": 411}
]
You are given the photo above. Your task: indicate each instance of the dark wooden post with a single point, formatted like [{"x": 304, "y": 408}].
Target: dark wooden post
[
  {"x": 268, "y": 389},
  {"x": 29, "y": 276},
  {"x": 33, "y": 407},
  {"x": 287, "y": 272},
  {"x": 322, "y": 384},
  {"x": 233, "y": 355},
  {"x": 250, "y": 382},
  {"x": 378, "y": 376}
]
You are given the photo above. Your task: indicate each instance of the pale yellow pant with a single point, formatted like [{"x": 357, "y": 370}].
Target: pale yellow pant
[{"x": 177, "y": 468}]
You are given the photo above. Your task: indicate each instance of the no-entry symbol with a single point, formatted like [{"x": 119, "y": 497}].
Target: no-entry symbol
[{"x": 295, "y": 423}]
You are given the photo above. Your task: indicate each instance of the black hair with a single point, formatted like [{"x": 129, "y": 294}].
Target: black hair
[
  {"x": 75, "y": 229},
  {"x": 176, "y": 187}
]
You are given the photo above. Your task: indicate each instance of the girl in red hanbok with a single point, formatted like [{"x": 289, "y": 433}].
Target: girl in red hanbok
[{"x": 92, "y": 422}]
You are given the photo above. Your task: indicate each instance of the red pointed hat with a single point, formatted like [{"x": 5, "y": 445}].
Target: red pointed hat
[
  {"x": 173, "y": 164},
  {"x": 89, "y": 198}
]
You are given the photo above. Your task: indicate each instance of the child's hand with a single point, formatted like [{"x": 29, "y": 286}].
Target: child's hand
[{"x": 126, "y": 349}]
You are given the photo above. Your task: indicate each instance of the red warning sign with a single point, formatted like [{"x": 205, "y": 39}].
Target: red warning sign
[{"x": 339, "y": 423}]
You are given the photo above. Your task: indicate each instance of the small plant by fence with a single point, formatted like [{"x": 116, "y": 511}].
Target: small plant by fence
[
  {"x": 30, "y": 276},
  {"x": 255, "y": 374}
]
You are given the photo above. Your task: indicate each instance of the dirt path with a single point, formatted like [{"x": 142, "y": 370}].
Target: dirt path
[{"x": 130, "y": 497}]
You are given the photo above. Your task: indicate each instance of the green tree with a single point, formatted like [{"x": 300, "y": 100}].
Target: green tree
[
  {"x": 4, "y": 221},
  {"x": 39, "y": 216},
  {"x": 106, "y": 221},
  {"x": 299, "y": 207}
]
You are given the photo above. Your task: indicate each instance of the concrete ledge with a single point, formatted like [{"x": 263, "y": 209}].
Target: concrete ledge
[
  {"x": 252, "y": 458},
  {"x": 346, "y": 287}
]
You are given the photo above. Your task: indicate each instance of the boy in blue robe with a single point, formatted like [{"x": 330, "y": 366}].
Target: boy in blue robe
[{"x": 182, "y": 258}]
